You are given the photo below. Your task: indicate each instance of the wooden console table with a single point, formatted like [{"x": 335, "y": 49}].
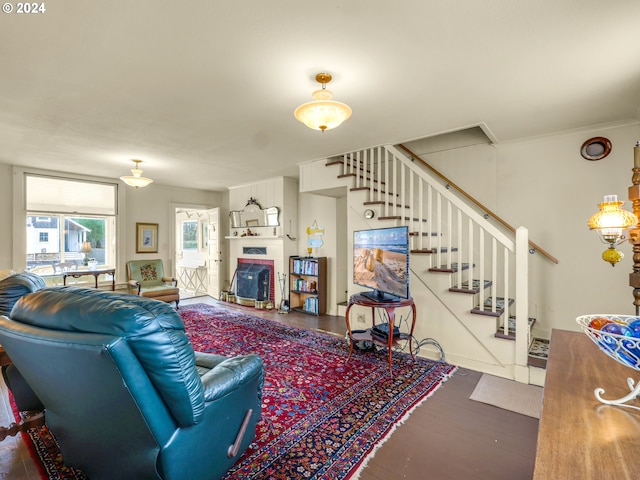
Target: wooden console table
[
  {"x": 104, "y": 270},
  {"x": 390, "y": 308},
  {"x": 578, "y": 436}
]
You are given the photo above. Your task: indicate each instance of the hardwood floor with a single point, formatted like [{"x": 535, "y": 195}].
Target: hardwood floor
[{"x": 448, "y": 437}]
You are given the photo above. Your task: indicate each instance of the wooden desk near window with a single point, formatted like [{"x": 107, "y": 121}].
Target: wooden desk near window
[
  {"x": 578, "y": 436},
  {"x": 96, "y": 272}
]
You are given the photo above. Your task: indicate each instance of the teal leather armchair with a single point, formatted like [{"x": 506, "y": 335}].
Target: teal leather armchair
[
  {"x": 15, "y": 286},
  {"x": 147, "y": 279},
  {"x": 12, "y": 288},
  {"x": 124, "y": 392}
]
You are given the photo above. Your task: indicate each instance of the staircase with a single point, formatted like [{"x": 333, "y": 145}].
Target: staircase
[{"x": 475, "y": 271}]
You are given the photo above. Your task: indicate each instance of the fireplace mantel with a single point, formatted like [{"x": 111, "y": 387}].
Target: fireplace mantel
[{"x": 256, "y": 238}]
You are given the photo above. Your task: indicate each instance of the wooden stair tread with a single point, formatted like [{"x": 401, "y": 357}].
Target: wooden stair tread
[
  {"x": 511, "y": 329},
  {"x": 362, "y": 177},
  {"x": 453, "y": 269},
  {"x": 486, "y": 308},
  {"x": 538, "y": 353},
  {"x": 434, "y": 250},
  {"x": 382, "y": 202},
  {"x": 356, "y": 189},
  {"x": 400, "y": 217},
  {"x": 473, "y": 289}
]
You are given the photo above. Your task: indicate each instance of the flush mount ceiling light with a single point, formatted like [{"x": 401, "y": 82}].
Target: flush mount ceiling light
[
  {"x": 322, "y": 113},
  {"x": 595, "y": 148},
  {"x": 136, "y": 179}
]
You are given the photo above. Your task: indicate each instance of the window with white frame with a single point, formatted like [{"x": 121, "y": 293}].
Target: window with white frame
[{"x": 69, "y": 220}]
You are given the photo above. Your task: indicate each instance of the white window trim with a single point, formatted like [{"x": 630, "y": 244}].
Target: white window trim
[{"x": 20, "y": 214}]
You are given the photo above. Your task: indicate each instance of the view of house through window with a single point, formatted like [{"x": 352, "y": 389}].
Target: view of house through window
[
  {"x": 69, "y": 222},
  {"x": 57, "y": 243}
]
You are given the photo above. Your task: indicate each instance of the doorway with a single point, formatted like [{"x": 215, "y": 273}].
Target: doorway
[{"x": 198, "y": 254}]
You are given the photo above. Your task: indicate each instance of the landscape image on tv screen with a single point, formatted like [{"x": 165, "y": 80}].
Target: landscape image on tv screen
[{"x": 381, "y": 260}]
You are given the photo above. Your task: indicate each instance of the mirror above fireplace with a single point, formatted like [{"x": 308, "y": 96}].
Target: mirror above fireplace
[{"x": 253, "y": 215}]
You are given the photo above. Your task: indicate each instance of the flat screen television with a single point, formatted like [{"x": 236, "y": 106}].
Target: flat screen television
[{"x": 381, "y": 262}]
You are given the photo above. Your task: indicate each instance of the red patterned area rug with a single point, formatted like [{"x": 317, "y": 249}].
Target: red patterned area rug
[{"x": 322, "y": 418}]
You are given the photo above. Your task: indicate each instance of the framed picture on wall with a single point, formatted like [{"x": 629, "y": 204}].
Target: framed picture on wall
[{"x": 146, "y": 238}]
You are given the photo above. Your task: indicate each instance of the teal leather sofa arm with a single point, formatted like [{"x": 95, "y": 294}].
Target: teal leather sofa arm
[{"x": 226, "y": 374}]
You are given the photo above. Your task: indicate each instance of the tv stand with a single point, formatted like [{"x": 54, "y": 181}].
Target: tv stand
[
  {"x": 381, "y": 297},
  {"x": 390, "y": 309}
]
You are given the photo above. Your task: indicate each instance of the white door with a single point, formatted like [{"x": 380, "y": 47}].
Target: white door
[{"x": 214, "y": 252}]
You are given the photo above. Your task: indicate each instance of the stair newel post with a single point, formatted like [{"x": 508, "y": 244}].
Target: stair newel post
[
  {"x": 634, "y": 233},
  {"x": 521, "y": 370},
  {"x": 394, "y": 175},
  {"x": 411, "y": 203}
]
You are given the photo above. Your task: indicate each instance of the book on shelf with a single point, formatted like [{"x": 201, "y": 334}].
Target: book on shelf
[
  {"x": 305, "y": 267},
  {"x": 311, "y": 304}
]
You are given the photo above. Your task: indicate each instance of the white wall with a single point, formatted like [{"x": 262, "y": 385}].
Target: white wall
[
  {"x": 323, "y": 210},
  {"x": 549, "y": 188},
  {"x": 152, "y": 204},
  {"x": 545, "y": 185},
  {"x": 6, "y": 240},
  {"x": 155, "y": 204}
]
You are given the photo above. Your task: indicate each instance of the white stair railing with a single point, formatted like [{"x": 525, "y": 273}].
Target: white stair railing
[{"x": 459, "y": 238}]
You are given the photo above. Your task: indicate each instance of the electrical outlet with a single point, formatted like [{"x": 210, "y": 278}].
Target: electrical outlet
[{"x": 360, "y": 318}]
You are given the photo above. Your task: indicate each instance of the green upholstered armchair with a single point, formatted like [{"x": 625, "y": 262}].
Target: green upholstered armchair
[
  {"x": 146, "y": 278},
  {"x": 124, "y": 392}
]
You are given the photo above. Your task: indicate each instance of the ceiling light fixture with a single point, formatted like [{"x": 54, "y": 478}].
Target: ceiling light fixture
[
  {"x": 136, "y": 179},
  {"x": 323, "y": 113}
]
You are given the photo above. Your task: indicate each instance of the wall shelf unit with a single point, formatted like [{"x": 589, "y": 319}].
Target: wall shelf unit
[{"x": 308, "y": 284}]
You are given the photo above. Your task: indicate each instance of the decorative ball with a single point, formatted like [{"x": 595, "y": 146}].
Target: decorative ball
[
  {"x": 617, "y": 329},
  {"x": 599, "y": 322},
  {"x": 635, "y": 328}
]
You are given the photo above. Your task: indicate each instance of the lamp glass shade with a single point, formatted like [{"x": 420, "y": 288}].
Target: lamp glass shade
[
  {"x": 611, "y": 220},
  {"x": 322, "y": 113},
  {"x": 136, "y": 179}
]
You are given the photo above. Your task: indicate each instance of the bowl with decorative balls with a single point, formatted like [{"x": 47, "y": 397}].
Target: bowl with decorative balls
[{"x": 616, "y": 335}]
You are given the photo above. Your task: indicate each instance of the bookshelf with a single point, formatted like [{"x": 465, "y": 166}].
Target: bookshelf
[{"x": 308, "y": 285}]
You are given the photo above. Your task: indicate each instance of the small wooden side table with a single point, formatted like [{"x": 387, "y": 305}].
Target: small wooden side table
[{"x": 390, "y": 309}]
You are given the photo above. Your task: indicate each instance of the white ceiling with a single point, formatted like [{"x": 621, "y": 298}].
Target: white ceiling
[{"x": 204, "y": 91}]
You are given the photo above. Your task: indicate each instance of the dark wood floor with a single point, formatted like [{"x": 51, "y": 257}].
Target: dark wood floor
[{"x": 448, "y": 437}]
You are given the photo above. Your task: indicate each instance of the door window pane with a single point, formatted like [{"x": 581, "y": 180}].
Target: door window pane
[{"x": 190, "y": 235}]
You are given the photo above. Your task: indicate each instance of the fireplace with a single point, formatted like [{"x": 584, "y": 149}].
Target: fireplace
[{"x": 254, "y": 281}]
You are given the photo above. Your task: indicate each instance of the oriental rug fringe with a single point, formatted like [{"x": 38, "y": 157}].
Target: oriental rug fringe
[{"x": 322, "y": 418}]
